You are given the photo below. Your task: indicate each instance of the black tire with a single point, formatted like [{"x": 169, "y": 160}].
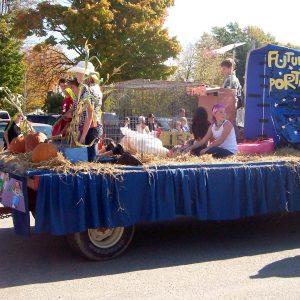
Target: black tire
[{"x": 86, "y": 243}]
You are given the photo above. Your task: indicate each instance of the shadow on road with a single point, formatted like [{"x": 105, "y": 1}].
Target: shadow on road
[
  {"x": 44, "y": 258},
  {"x": 285, "y": 268}
]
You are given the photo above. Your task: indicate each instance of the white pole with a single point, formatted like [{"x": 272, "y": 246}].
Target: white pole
[{"x": 232, "y": 70}]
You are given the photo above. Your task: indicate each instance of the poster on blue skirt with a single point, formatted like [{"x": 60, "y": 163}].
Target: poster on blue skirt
[{"x": 11, "y": 192}]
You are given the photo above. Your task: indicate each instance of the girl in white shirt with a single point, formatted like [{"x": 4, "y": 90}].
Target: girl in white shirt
[{"x": 223, "y": 134}]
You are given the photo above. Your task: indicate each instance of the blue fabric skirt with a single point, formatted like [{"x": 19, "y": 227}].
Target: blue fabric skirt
[{"x": 74, "y": 203}]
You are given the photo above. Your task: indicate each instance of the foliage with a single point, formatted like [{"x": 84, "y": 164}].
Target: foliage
[
  {"x": 199, "y": 63},
  {"x": 253, "y": 36},
  {"x": 11, "y": 58},
  {"x": 15, "y": 105},
  {"x": 208, "y": 64},
  {"x": 119, "y": 31},
  {"x": 45, "y": 65},
  {"x": 53, "y": 103},
  {"x": 186, "y": 64},
  {"x": 206, "y": 67},
  {"x": 11, "y": 6}
]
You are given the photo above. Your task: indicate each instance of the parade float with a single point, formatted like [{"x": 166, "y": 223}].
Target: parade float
[{"x": 97, "y": 205}]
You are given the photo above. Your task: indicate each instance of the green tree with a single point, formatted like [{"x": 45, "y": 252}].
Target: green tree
[
  {"x": 53, "y": 103},
  {"x": 11, "y": 59},
  {"x": 119, "y": 32},
  {"x": 253, "y": 37},
  {"x": 207, "y": 68},
  {"x": 186, "y": 64},
  {"x": 198, "y": 62}
]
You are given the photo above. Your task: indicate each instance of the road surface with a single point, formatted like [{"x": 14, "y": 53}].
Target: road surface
[{"x": 185, "y": 259}]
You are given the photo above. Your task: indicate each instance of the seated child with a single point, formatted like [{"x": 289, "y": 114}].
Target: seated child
[
  {"x": 184, "y": 124},
  {"x": 199, "y": 129},
  {"x": 223, "y": 134}
]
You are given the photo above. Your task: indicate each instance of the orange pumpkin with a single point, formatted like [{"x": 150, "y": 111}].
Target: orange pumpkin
[
  {"x": 17, "y": 145},
  {"x": 43, "y": 152},
  {"x": 32, "y": 139}
]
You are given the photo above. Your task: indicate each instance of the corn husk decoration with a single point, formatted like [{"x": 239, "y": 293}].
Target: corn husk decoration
[
  {"x": 82, "y": 104},
  {"x": 18, "y": 102}
]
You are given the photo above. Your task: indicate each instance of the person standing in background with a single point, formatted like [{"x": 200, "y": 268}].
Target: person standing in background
[
  {"x": 61, "y": 125},
  {"x": 151, "y": 123},
  {"x": 127, "y": 122},
  {"x": 141, "y": 127},
  {"x": 181, "y": 113},
  {"x": 231, "y": 81}
]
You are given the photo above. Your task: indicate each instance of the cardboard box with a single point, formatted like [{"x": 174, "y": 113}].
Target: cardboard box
[{"x": 219, "y": 95}]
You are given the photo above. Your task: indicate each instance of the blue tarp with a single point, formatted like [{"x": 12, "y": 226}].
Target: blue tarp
[
  {"x": 69, "y": 203},
  {"x": 273, "y": 94}
]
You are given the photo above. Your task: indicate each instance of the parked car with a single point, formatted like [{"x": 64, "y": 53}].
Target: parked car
[
  {"x": 3, "y": 125},
  {"x": 44, "y": 128},
  {"x": 44, "y": 119},
  {"x": 164, "y": 123},
  {"x": 4, "y": 115},
  {"x": 38, "y": 127},
  {"x": 111, "y": 126}
]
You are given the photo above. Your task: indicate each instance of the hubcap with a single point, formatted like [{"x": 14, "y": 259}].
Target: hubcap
[{"x": 105, "y": 237}]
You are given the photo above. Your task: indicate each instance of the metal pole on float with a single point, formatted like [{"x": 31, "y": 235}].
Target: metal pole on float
[{"x": 233, "y": 65}]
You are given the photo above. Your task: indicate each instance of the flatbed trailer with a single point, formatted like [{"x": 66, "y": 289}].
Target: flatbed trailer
[{"x": 98, "y": 212}]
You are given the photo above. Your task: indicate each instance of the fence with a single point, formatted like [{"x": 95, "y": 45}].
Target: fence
[
  {"x": 142, "y": 97},
  {"x": 138, "y": 140}
]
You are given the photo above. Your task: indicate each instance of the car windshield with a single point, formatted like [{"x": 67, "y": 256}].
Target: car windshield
[{"x": 47, "y": 130}]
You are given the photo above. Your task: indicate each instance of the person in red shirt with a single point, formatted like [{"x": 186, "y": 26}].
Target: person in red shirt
[{"x": 62, "y": 124}]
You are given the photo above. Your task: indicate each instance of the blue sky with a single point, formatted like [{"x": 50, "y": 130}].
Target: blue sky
[{"x": 188, "y": 19}]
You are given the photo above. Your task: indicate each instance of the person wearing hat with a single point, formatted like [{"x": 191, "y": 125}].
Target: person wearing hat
[
  {"x": 141, "y": 127},
  {"x": 90, "y": 127}
]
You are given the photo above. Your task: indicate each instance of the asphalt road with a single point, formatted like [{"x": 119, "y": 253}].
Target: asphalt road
[{"x": 186, "y": 259}]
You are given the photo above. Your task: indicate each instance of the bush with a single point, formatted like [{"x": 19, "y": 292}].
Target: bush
[{"x": 53, "y": 103}]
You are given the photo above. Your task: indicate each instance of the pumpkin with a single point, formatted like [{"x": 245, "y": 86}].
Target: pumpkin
[
  {"x": 44, "y": 152},
  {"x": 32, "y": 139},
  {"x": 17, "y": 145}
]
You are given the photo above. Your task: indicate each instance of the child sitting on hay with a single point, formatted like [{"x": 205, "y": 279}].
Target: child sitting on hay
[
  {"x": 223, "y": 134},
  {"x": 200, "y": 125}
]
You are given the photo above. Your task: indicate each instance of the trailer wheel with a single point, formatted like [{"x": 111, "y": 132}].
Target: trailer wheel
[{"x": 101, "y": 243}]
